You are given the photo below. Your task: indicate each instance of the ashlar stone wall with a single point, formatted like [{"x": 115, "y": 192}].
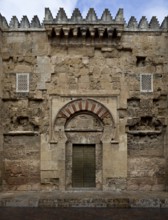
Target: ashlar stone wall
[{"x": 84, "y": 88}]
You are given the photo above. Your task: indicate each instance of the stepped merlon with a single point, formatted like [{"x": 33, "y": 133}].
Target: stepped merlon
[{"x": 91, "y": 19}]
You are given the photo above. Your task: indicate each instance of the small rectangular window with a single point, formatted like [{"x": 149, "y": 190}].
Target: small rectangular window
[
  {"x": 146, "y": 83},
  {"x": 22, "y": 82}
]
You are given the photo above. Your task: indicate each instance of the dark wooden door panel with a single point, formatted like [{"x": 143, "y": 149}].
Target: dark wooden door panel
[
  {"x": 89, "y": 166},
  {"x": 77, "y": 167},
  {"x": 83, "y": 166}
]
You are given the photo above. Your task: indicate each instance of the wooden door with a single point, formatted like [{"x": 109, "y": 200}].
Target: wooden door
[{"x": 83, "y": 166}]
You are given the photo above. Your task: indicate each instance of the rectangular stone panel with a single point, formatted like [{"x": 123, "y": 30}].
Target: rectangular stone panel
[
  {"x": 145, "y": 145},
  {"x": 21, "y": 159}
]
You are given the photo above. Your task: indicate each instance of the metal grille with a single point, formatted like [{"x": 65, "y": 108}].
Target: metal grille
[
  {"x": 83, "y": 166},
  {"x": 22, "y": 82},
  {"x": 146, "y": 81}
]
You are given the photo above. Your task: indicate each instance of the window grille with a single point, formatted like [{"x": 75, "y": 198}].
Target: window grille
[
  {"x": 146, "y": 83},
  {"x": 22, "y": 82}
]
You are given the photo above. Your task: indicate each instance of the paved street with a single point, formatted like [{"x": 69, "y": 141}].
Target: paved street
[{"x": 82, "y": 213}]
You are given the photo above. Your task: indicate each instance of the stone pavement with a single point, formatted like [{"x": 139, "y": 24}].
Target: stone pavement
[{"x": 84, "y": 199}]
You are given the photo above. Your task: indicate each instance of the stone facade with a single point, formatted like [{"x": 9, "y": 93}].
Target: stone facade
[{"x": 83, "y": 82}]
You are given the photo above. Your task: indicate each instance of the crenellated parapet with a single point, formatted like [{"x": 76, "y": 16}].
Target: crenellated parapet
[
  {"x": 91, "y": 26},
  {"x": 23, "y": 25},
  {"x": 77, "y": 25},
  {"x": 144, "y": 25},
  {"x": 76, "y": 18}
]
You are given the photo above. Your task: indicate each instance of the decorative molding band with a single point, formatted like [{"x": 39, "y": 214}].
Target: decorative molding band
[
  {"x": 18, "y": 133},
  {"x": 144, "y": 132}
]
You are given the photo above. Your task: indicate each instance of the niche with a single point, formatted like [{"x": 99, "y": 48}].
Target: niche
[{"x": 140, "y": 61}]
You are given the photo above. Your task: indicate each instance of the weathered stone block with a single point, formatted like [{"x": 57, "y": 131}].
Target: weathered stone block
[
  {"x": 145, "y": 145},
  {"x": 84, "y": 51}
]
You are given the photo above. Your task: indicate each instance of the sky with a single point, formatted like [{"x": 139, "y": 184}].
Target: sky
[{"x": 137, "y": 8}]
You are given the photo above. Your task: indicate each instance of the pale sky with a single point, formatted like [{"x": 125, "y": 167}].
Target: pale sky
[{"x": 137, "y": 8}]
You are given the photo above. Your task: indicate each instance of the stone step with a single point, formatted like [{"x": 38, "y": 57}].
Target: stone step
[{"x": 85, "y": 199}]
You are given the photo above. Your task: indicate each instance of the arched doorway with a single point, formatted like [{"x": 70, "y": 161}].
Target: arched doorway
[
  {"x": 86, "y": 124},
  {"x": 83, "y": 151}
]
